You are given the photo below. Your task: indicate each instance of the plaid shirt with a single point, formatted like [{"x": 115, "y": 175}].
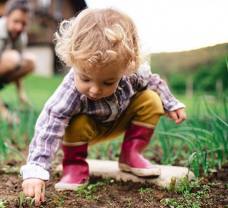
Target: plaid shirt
[{"x": 67, "y": 102}]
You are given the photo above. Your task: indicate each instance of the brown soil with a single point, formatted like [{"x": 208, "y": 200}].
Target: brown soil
[{"x": 111, "y": 194}]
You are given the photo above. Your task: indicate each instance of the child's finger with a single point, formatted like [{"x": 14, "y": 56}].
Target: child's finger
[
  {"x": 173, "y": 115},
  {"x": 43, "y": 193},
  {"x": 29, "y": 191},
  {"x": 38, "y": 194},
  {"x": 178, "y": 121},
  {"x": 181, "y": 116}
]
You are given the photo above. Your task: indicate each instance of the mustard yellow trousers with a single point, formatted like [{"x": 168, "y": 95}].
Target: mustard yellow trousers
[{"x": 144, "y": 109}]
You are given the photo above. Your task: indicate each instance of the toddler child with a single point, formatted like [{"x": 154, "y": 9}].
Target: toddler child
[{"x": 106, "y": 92}]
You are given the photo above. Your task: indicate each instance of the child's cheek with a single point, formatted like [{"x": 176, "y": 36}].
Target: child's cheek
[{"x": 78, "y": 85}]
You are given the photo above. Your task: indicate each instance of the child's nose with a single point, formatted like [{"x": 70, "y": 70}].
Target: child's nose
[{"x": 95, "y": 90}]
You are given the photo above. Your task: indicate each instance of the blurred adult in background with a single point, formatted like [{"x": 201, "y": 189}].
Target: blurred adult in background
[{"x": 14, "y": 65}]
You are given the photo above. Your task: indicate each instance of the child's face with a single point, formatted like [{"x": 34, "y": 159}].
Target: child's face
[{"x": 99, "y": 83}]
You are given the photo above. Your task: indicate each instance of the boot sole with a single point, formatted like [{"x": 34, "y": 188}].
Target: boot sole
[
  {"x": 68, "y": 187},
  {"x": 141, "y": 172}
]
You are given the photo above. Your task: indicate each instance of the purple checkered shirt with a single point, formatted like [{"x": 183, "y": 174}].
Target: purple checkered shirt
[{"x": 67, "y": 102}]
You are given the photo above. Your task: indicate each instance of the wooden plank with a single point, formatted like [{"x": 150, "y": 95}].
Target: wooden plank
[{"x": 110, "y": 169}]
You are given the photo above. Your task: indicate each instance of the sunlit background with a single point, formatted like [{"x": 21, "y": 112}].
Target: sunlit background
[{"x": 174, "y": 25}]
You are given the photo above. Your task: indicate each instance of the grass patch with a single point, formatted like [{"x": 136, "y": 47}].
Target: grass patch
[
  {"x": 191, "y": 194},
  {"x": 89, "y": 191},
  {"x": 38, "y": 89}
]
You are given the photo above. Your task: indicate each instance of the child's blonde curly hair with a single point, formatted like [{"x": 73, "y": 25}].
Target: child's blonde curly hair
[{"x": 98, "y": 38}]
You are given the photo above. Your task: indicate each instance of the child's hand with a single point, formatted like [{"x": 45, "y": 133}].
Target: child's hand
[
  {"x": 178, "y": 115},
  {"x": 34, "y": 187}
]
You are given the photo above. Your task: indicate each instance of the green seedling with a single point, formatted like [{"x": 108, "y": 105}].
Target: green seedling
[
  {"x": 143, "y": 191},
  {"x": 87, "y": 191},
  {"x": 23, "y": 200}
]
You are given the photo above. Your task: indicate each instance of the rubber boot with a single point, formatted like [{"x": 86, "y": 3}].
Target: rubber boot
[
  {"x": 131, "y": 160},
  {"x": 75, "y": 168}
]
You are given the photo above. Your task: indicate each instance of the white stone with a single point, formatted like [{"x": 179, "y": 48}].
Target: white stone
[{"x": 110, "y": 169}]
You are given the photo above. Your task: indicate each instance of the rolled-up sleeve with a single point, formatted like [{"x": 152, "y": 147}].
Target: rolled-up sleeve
[{"x": 145, "y": 79}]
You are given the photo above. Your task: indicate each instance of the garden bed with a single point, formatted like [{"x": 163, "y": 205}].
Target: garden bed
[{"x": 211, "y": 191}]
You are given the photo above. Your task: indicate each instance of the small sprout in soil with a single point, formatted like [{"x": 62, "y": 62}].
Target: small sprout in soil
[
  {"x": 87, "y": 191},
  {"x": 143, "y": 191},
  {"x": 183, "y": 186},
  {"x": 25, "y": 201},
  {"x": 172, "y": 185}
]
